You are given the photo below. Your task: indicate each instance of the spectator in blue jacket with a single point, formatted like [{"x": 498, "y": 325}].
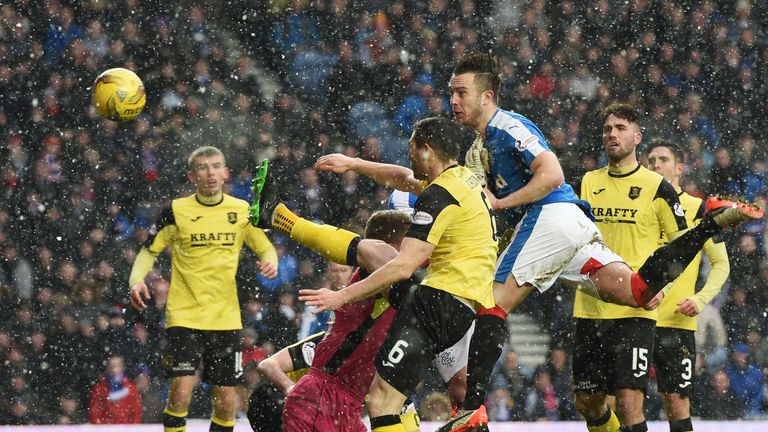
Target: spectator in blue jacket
[{"x": 746, "y": 379}]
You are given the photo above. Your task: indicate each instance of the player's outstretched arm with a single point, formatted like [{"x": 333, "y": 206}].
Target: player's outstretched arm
[
  {"x": 413, "y": 253},
  {"x": 276, "y": 367},
  {"x": 393, "y": 176}
]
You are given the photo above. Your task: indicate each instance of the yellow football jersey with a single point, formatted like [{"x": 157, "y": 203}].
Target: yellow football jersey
[
  {"x": 205, "y": 243},
  {"x": 685, "y": 285},
  {"x": 632, "y": 207},
  {"x": 454, "y": 214}
]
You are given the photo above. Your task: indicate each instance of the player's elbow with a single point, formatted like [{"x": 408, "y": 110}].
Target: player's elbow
[
  {"x": 556, "y": 179},
  {"x": 266, "y": 366}
]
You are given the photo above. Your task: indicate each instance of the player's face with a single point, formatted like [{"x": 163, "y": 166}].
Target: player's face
[
  {"x": 662, "y": 161},
  {"x": 338, "y": 275},
  {"x": 467, "y": 102},
  {"x": 208, "y": 174},
  {"x": 419, "y": 157},
  {"x": 620, "y": 137}
]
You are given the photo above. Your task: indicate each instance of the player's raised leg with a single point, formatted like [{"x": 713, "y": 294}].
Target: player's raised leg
[
  {"x": 269, "y": 212},
  {"x": 668, "y": 262}
]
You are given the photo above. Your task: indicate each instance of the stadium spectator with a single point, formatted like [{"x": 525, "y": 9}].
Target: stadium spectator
[
  {"x": 115, "y": 399},
  {"x": 69, "y": 409},
  {"x": 52, "y": 51},
  {"x": 721, "y": 402},
  {"x": 746, "y": 379},
  {"x": 711, "y": 337}
]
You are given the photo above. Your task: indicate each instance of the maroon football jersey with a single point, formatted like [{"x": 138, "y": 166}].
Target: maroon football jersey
[{"x": 352, "y": 340}]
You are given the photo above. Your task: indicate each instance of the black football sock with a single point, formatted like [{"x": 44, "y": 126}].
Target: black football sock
[
  {"x": 640, "y": 427},
  {"x": 669, "y": 261},
  {"x": 483, "y": 352},
  {"x": 683, "y": 425}
]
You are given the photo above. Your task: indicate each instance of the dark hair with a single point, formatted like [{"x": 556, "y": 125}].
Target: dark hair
[
  {"x": 486, "y": 68},
  {"x": 388, "y": 226},
  {"x": 442, "y": 134},
  {"x": 676, "y": 150},
  {"x": 622, "y": 111}
]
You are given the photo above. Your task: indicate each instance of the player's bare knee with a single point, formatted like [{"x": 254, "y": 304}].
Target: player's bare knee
[
  {"x": 224, "y": 404},
  {"x": 629, "y": 402},
  {"x": 676, "y": 406},
  {"x": 614, "y": 284},
  {"x": 591, "y": 406}
]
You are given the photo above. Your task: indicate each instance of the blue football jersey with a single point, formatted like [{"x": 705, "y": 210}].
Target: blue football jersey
[
  {"x": 403, "y": 201},
  {"x": 513, "y": 142}
]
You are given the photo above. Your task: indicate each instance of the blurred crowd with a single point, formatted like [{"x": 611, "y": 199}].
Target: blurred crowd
[{"x": 294, "y": 79}]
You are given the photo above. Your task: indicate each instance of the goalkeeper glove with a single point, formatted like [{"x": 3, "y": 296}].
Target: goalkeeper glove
[{"x": 477, "y": 160}]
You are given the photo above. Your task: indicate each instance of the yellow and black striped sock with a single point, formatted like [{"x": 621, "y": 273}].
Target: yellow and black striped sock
[
  {"x": 387, "y": 423},
  {"x": 219, "y": 425},
  {"x": 174, "y": 422}
]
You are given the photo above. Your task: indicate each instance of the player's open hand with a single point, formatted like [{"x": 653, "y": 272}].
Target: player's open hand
[
  {"x": 267, "y": 269},
  {"x": 687, "y": 307},
  {"x": 323, "y": 298},
  {"x": 139, "y": 293},
  {"x": 334, "y": 162},
  {"x": 655, "y": 301}
]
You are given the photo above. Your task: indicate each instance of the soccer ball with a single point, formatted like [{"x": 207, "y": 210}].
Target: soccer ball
[{"x": 118, "y": 94}]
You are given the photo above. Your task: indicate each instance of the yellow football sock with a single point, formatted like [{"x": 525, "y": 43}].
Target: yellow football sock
[
  {"x": 283, "y": 219},
  {"x": 327, "y": 240},
  {"x": 174, "y": 422},
  {"x": 219, "y": 425},
  {"x": 610, "y": 425},
  {"x": 410, "y": 421}
]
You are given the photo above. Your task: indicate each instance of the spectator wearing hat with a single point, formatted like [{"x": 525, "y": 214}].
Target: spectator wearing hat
[
  {"x": 746, "y": 379},
  {"x": 115, "y": 399}
]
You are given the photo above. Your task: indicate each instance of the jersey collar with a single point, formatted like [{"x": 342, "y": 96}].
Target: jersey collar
[
  {"x": 209, "y": 204},
  {"x": 623, "y": 172}
]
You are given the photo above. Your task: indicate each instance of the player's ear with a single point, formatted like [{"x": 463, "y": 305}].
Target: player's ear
[
  {"x": 680, "y": 168},
  {"x": 191, "y": 176},
  {"x": 489, "y": 96},
  {"x": 227, "y": 173}
]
